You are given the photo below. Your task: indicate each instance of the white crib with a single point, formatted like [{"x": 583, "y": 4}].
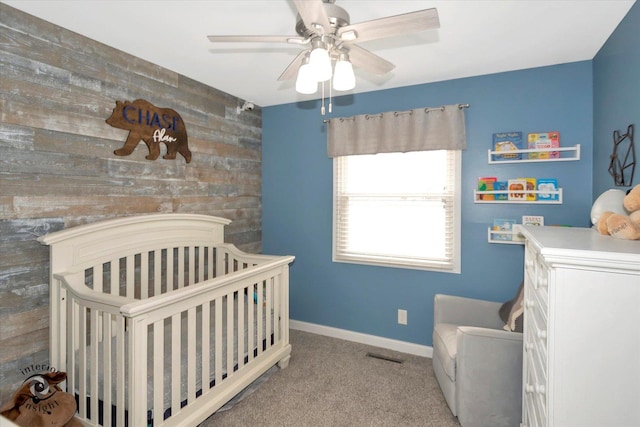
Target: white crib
[{"x": 158, "y": 322}]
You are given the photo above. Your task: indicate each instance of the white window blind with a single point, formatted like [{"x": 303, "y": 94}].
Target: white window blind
[{"x": 398, "y": 209}]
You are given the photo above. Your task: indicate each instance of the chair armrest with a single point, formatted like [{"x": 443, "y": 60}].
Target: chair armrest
[
  {"x": 466, "y": 311},
  {"x": 489, "y": 376}
]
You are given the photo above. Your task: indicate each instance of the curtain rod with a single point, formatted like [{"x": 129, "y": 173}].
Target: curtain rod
[{"x": 426, "y": 110}]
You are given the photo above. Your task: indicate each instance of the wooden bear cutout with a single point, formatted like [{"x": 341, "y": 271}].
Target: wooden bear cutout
[{"x": 153, "y": 125}]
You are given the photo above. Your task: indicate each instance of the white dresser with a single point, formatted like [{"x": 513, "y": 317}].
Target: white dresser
[{"x": 581, "y": 329}]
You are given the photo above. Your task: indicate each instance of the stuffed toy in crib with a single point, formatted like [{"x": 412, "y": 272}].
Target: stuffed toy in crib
[{"x": 41, "y": 402}]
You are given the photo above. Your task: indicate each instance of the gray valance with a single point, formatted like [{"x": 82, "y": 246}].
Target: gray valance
[{"x": 422, "y": 129}]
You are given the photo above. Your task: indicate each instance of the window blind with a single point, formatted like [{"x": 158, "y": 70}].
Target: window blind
[{"x": 397, "y": 209}]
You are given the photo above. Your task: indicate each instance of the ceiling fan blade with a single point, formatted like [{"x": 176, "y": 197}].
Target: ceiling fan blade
[
  {"x": 291, "y": 72},
  {"x": 391, "y": 26},
  {"x": 362, "y": 58},
  {"x": 258, "y": 39},
  {"x": 313, "y": 14}
]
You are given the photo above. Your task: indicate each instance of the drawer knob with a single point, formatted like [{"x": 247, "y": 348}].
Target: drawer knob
[
  {"x": 529, "y": 303},
  {"x": 529, "y": 388},
  {"x": 542, "y": 334},
  {"x": 540, "y": 389},
  {"x": 528, "y": 346}
]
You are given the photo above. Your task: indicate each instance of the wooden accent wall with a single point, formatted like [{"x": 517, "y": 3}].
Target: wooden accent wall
[{"x": 57, "y": 167}]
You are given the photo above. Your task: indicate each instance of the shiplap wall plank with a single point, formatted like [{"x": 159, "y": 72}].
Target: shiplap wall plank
[{"x": 57, "y": 167}]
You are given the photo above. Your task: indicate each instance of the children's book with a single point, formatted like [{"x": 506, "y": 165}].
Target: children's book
[
  {"x": 501, "y": 186},
  {"x": 503, "y": 225},
  {"x": 545, "y": 186},
  {"x": 544, "y": 140},
  {"x": 516, "y": 189},
  {"x": 505, "y": 142},
  {"x": 533, "y": 220},
  {"x": 486, "y": 184},
  {"x": 530, "y": 186}
]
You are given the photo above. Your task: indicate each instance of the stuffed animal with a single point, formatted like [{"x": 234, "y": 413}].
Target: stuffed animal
[
  {"x": 41, "y": 402},
  {"x": 621, "y": 226}
]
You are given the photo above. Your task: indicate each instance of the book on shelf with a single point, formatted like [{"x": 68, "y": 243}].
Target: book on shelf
[
  {"x": 503, "y": 229},
  {"x": 505, "y": 142},
  {"x": 516, "y": 189},
  {"x": 530, "y": 185},
  {"x": 543, "y": 140},
  {"x": 501, "y": 186},
  {"x": 486, "y": 184},
  {"x": 536, "y": 220},
  {"x": 545, "y": 186}
]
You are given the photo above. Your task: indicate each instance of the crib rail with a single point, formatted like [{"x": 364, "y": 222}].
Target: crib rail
[{"x": 127, "y": 324}]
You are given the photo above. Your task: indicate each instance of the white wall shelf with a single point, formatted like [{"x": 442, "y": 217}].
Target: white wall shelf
[
  {"x": 573, "y": 154},
  {"x": 505, "y": 237},
  {"x": 557, "y": 201}
]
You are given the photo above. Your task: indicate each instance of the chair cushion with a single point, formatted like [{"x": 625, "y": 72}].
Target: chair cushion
[{"x": 444, "y": 344}]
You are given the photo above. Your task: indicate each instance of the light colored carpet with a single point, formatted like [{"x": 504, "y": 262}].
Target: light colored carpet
[{"x": 332, "y": 382}]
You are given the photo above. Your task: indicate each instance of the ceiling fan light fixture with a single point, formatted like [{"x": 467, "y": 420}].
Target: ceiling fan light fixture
[
  {"x": 349, "y": 36},
  {"x": 306, "y": 82},
  {"x": 320, "y": 61},
  {"x": 344, "y": 78}
]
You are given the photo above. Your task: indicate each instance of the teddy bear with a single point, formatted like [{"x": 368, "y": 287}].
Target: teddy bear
[{"x": 621, "y": 226}]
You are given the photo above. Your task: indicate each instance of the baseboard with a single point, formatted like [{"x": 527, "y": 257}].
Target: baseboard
[{"x": 396, "y": 345}]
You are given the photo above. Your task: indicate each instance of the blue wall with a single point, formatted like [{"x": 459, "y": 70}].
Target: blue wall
[
  {"x": 616, "y": 91},
  {"x": 297, "y": 196}
]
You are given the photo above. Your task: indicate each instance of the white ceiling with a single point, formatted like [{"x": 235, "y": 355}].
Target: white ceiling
[{"x": 474, "y": 38}]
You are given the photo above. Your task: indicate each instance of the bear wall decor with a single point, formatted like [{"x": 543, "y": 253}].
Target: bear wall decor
[{"x": 153, "y": 125}]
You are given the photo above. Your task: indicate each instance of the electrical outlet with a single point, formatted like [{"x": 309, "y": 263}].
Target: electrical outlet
[{"x": 402, "y": 317}]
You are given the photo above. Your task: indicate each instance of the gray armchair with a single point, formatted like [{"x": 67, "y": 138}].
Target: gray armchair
[{"x": 477, "y": 363}]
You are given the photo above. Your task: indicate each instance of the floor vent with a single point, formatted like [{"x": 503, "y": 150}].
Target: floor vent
[{"x": 383, "y": 357}]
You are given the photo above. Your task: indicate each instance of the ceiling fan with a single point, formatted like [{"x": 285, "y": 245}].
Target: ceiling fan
[{"x": 326, "y": 34}]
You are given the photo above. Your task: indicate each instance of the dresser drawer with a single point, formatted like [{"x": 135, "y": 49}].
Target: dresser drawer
[
  {"x": 535, "y": 401},
  {"x": 541, "y": 284},
  {"x": 535, "y": 335}
]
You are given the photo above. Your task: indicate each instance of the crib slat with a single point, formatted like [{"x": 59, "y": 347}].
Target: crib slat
[
  {"x": 170, "y": 278},
  {"x": 93, "y": 361},
  {"x": 191, "y": 355},
  {"x": 230, "y": 334},
  {"x": 221, "y": 257},
  {"x": 181, "y": 267},
  {"x": 107, "y": 367},
  {"x": 260, "y": 318},
  {"x": 130, "y": 278},
  {"x": 192, "y": 266},
  {"x": 120, "y": 372},
  {"x": 251, "y": 308},
  {"x": 243, "y": 299},
  {"x": 137, "y": 362},
  {"x": 97, "y": 278},
  {"x": 201, "y": 264},
  {"x": 175, "y": 363},
  {"x": 144, "y": 275},
  {"x": 157, "y": 272},
  {"x": 276, "y": 308},
  {"x": 158, "y": 371},
  {"x": 72, "y": 328},
  {"x": 218, "y": 341},
  {"x": 206, "y": 347},
  {"x": 114, "y": 278},
  {"x": 212, "y": 265},
  {"x": 82, "y": 359}
]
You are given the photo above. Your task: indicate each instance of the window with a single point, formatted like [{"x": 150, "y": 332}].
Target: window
[{"x": 398, "y": 210}]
